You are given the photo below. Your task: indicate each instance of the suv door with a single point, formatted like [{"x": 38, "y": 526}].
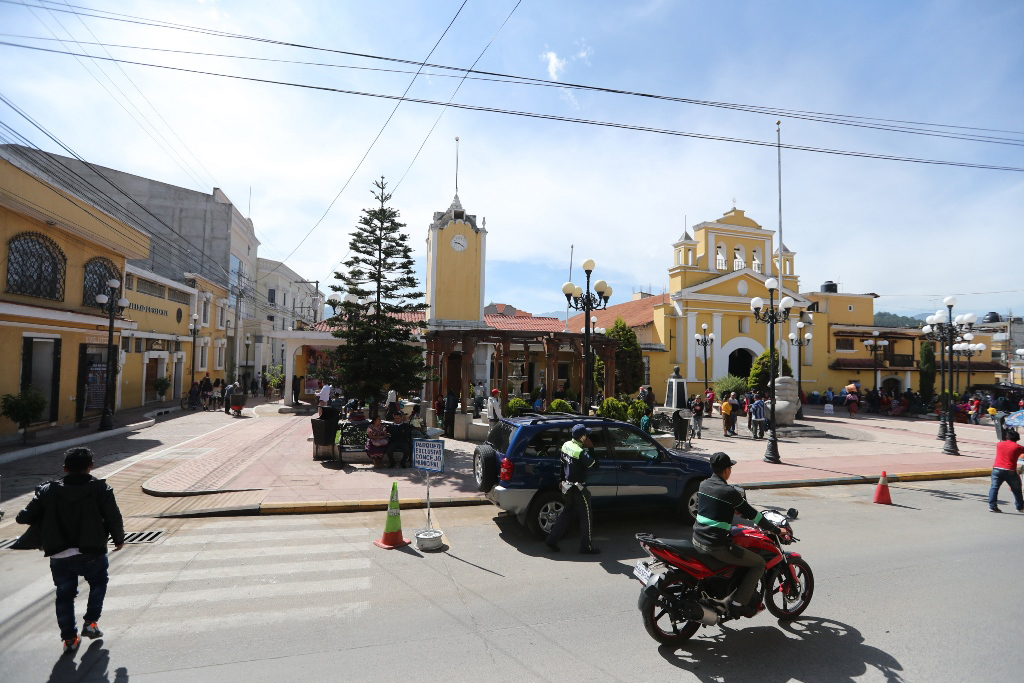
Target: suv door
[
  {"x": 645, "y": 477},
  {"x": 602, "y": 478}
]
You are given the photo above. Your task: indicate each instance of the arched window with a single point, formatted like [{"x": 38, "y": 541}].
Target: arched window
[
  {"x": 97, "y": 272},
  {"x": 36, "y": 266}
]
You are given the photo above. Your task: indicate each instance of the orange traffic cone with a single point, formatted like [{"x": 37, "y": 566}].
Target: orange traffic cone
[
  {"x": 392, "y": 537},
  {"x": 882, "y": 491}
]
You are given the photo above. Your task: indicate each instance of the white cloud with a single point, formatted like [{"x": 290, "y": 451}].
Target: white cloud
[{"x": 555, "y": 65}]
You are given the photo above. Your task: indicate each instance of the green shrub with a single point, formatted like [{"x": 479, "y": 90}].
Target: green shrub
[
  {"x": 23, "y": 409},
  {"x": 759, "y": 372},
  {"x": 560, "y": 406},
  {"x": 613, "y": 409},
  {"x": 636, "y": 411},
  {"x": 730, "y": 383},
  {"x": 516, "y": 406},
  {"x": 161, "y": 385}
]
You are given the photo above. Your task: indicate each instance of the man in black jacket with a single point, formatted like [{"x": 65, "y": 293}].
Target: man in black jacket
[
  {"x": 717, "y": 503},
  {"x": 74, "y": 516}
]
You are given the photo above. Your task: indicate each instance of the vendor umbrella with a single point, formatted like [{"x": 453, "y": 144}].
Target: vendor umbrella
[{"x": 1015, "y": 419}]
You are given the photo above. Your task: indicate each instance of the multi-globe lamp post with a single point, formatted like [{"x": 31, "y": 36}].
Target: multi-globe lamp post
[
  {"x": 771, "y": 315},
  {"x": 582, "y": 299},
  {"x": 935, "y": 330},
  {"x": 112, "y": 306},
  {"x": 950, "y": 327},
  {"x": 704, "y": 340},
  {"x": 874, "y": 346},
  {"x": 795, "y": 340},
  {"x": 193, "y": 329},
  {"x": 968, "y": 350}
]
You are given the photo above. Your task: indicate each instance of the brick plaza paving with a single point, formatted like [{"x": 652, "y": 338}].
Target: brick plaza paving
[{"x": 263, "y": 461}]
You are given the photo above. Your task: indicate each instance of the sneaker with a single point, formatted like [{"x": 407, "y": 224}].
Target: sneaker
[
  {"x": 994, "y": 510},
  {"x": 552, "y": 547},
  {"x": 590, "y": 551},
  {"x": 738, "y": 611},
  {"x": 70, "y": 646},
  {"x": 91, "y": 630},
  {"x": 1020, "y": 509}
]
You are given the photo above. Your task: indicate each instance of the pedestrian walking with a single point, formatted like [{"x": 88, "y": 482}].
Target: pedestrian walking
[
  {"x": 757, "y": 410},
  {"x": 195, "y": 400},
  {"x": 392, "y": 404},
  {"x": 734, "y": 413},
  {"x": 709, "y": 400},
  {"x": 697, "y": 408},
  {"x": 205, "y": 391},
  {"x": 70, "y": 520},
  {"x": 296, "y": 386},
  {"x": 439, "y": 410},
  {"x": 479, "y": 394},
  {"x": 1005, "y": 470},
  {"x": 726, "y": 414},
  {"x": 229, "y": 391},
  {"x": 576, "y": 460},
  {"x": 645, "y": 421},
  {"x": 494, "y": 407},
  {"x": 376, "y": 441},
  {"x": 852, "y": 403},
  {"x": 323, "y": 398}
]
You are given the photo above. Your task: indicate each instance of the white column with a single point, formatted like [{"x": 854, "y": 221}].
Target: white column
[
  {"x": 679, "y": 340},
  {"x": 716, "y": 347},
  {"x": 906, "y": 380},
  {"x": 691, "y": 345},
  {"x": 289, "y": 370}
]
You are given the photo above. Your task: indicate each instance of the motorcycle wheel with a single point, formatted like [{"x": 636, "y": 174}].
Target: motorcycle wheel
[
  {"x": 782, "y": 598},
  {"x": 659, "y": 624}
]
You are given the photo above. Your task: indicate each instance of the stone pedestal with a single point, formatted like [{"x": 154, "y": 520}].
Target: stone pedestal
[
  {"x": 787, "y": 401},
  {"x": 462, "y": 426}
]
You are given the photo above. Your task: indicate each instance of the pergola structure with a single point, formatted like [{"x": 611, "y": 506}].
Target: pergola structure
[{"x": 449, "y": 358}]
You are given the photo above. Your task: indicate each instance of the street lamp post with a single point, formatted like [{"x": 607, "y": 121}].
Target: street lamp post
[
  {"x": 193, "y": 329},
  {"x": 772, "y": 316},
  {"x": 961, "y": 324},
  {"x": 245, "y": 376},
  {"x": 705, "y": 340},
  {"x": 935, "y": 330},
  {"x": 582, "y": 299},
  {"x": 112, "y": 306},
  {"x": 795, "y": 340}
]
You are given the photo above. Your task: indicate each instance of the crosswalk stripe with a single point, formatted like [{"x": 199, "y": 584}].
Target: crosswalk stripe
[
  {"x": 252, "y": 593},
  {"x": 238, "y": 571},
  {"x": 155, "y": 556},
  {"x": 250, "y": 620},
  {"x": 187, "y": 538}
]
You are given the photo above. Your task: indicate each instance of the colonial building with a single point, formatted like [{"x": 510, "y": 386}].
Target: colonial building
[
  {"x": 57, "y": 252},
  {"x": 713, "y": 276}
]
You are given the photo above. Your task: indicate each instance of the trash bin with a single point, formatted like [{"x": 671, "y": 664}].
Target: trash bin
[
  {"x": 324, "y": 434},
  {"x": 681, "y": 426}
]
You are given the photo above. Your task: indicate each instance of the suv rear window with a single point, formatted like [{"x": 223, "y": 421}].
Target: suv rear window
[
  {"x": 499, "y": 437},
  {"x": 547, "y": 443}
]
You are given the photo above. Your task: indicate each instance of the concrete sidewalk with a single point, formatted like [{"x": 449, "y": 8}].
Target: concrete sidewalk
[{"x": 263, "y": 464}]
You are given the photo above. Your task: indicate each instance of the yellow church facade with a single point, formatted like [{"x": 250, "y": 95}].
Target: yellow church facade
[{"x": 714, "y": 275}]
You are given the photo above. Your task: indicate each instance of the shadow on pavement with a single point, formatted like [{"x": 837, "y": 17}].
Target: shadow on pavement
[
  {"x": 92, "y": 668},
  {"x": 806, "y": 649}
]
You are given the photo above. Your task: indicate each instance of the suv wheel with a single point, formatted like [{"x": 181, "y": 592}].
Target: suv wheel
[
  {"x": 543, "y": 512},
  {"x": 485, "y": 468},
  {"x": 688, "y": 503}
]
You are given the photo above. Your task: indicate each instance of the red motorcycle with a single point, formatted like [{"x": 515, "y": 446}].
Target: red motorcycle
[{"x": 684, "y": 589}]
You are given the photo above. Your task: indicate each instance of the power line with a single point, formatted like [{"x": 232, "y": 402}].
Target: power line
[
  {"x": 565, "y": 119},
  {"x": 370, "y": 148},
  {"x": 792, "y": 113}
]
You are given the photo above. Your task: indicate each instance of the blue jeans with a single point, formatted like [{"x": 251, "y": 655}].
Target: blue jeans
[
  {"x": 65, "y": 571},
  {"x": 1010, "y": 477}
]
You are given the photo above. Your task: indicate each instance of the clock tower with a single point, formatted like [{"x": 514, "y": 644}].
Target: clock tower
[{"x": 456, "y": 249}]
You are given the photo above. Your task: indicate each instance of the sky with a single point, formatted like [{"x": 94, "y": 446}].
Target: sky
[{"x": 910, "y": 232}]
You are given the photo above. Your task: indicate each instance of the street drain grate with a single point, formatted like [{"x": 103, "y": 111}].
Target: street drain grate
[
  {"x": 133, "y": 537},
  {"x": 7, "y": 543}
]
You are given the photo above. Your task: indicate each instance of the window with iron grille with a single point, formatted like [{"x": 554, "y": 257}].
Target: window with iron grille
[
  {"x": 206, "y": 313},
  {"x": 36, "y": 266},
  {"x": 647, "y": 369},
  {"x": 138, "y": 346},
  {"x": 97, "y": 272},
  {"x": 177, "y": 296},
  {"x": 844, "y": 344},
  {"x": 150, "y": 288},
  {"x": 129, "y": 281}
]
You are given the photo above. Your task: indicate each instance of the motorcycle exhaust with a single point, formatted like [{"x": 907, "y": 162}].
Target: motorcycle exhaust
[{"x": 694, "y": 611}]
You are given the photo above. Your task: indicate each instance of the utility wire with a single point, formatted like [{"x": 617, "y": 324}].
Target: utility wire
[
  {"x": 372, "y": 144},
  {"x": 568, "y": 119},
  {"x": 793, "y": 113}
]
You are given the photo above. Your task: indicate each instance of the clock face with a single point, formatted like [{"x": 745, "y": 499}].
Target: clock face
[{"x": 459, "y": 243}]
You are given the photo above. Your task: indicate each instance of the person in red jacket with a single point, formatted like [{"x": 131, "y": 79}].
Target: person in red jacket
[{"x": 1005, "y": 469}]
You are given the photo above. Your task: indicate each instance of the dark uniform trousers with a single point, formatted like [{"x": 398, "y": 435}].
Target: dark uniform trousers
[
  {"x": 741, "y": 557},
  {"x": 577, "y": 503}
]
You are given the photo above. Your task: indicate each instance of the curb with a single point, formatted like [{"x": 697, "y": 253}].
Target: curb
[
  {"x": 88, "y": 438},
  {"x": 873, "y": 479},
  {"x": 363, "y": 505}
]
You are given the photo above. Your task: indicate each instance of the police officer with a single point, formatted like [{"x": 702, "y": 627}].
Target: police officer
[
  {"x": 576, "y": 460},
  {"x": 717, "y": 502}
]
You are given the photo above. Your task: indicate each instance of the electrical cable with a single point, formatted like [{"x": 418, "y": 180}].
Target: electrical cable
[
  {"x": 792, "y": 113},
  {"x": 568, "y": 119}
]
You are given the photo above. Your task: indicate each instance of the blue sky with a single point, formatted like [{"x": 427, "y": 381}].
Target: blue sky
[{"x": 910, "y": 232}]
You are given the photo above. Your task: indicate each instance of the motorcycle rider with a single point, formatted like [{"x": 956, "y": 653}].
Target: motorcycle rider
[
  {"x": 717, "y": 502},
  {"x": 576, "y": 460}
]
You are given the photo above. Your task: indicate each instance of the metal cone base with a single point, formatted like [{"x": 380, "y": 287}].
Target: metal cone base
[
  {"x": 771, "y": 451},
  {"x": 941, "y": 436},
  {"x": 950, "y": 447}
]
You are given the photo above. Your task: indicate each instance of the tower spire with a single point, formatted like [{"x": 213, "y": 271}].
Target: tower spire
[{"x": 456, "y": 164}]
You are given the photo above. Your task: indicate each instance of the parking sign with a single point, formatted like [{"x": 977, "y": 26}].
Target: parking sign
[{"x": 428, "y": 455}]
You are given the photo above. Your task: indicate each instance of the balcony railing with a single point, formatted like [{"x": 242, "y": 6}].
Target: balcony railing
[
  {"x": 738, "y": 264},
  {"x": 901, "y": 360},
  {"x": 757, "y": 266},
  {"x": 720, "y": 263}
]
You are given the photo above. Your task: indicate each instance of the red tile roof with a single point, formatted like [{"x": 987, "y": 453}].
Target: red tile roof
[
  {"x": 634, "y": 313},
  {"x": 522, "y": 322}
]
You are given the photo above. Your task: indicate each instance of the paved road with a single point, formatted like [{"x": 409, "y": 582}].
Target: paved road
[{"x": 928, "y": 590}]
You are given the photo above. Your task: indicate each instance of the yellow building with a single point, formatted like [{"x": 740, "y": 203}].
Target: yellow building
[
  {"x": 713, "y": 276},
  {"x": 56, "y": 254}
]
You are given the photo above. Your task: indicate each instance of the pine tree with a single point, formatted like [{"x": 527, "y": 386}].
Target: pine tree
[
  {"x": 380, "y": 350},
  {"x": 926, "y": 372},
  {"x": 629, "y": 359},
  {"x": 760, "y": 373}
]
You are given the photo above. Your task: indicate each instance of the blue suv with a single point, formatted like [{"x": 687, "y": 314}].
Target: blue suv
[{"x": 519, "y": 469}]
